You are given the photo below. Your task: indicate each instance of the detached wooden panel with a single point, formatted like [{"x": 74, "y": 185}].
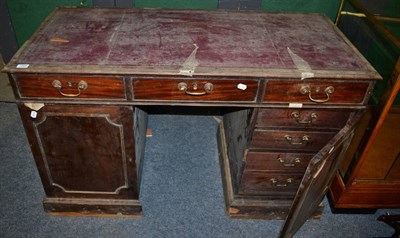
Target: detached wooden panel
[{"x": 196, "y": 89}]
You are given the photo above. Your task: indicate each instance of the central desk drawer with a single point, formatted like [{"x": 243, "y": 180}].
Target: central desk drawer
[
  {"x": 195, "y": 89},
  {"x": 310, "y": 141}
]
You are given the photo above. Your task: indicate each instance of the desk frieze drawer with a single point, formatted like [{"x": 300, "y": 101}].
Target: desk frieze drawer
[
  {"x": 290, "y": 140},
  {"x": 316, "y": 92},
  {"x": 277, "y": 161},
  {"x": 70, "y": 87},
  {"x": 195, "y": 89},
  {"x": 272, "y": 184},
  {"x": 302, "y": 118}
]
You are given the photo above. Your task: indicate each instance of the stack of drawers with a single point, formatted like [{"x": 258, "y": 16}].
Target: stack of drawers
[{"x": 283, "y": 143}]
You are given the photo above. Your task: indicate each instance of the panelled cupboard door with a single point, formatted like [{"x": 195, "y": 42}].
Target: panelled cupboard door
[
  {"x": 83, "y": 151},
  {"x": 317, "y": 179}
]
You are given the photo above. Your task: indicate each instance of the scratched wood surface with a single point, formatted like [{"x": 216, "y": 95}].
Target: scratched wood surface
[{"x": 154, "y": 40}]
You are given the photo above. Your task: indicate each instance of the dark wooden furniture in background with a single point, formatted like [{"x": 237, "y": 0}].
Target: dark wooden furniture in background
[
  {"x": 370, "y": 174},
  {"x": 290, "y": 88}
]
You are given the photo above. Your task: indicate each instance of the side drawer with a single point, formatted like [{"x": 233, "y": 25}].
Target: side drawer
[
  {"x": 70, "y": 87},
  {"x": 277, "y": 161},
  {"x": 272, "y": 184},
  {"x": 328, "y": 92},
  {"x": 310, "y": 141},
  {"x": 195, "y": 89},
  {"x": 306, "y": 118}
]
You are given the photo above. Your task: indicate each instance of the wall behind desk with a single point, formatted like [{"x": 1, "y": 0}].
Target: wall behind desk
[{"x": 26, "y": 15}]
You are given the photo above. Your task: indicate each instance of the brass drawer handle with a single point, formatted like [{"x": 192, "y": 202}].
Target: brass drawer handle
[
  {"x": 299, "y": 141},
  {"x": 82, "y": 85},
  {"x": 289, "y": 162},
  {"x": 296, "y": 117},
  {"x": 207, "y": 88},
  {"x": 328, "y": 91},
  {"x": 284, "y": 183}
]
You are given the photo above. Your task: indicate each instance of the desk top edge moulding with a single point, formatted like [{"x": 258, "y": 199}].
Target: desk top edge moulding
[{"x": 291, "y": 89}]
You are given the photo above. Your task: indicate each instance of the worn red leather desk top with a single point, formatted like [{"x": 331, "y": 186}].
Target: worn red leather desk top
[{"x": 132, "y": 41}]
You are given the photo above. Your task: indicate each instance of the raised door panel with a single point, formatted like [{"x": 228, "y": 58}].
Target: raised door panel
[
  {"x": 83, "y": 151},
  {"x": 317, "y": 178}
]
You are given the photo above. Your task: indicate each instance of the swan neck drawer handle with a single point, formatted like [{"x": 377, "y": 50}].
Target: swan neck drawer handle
[
  {"x": 207, "y": 88},
  {"x": 328, "y": 91},
  {"x": 286, "y": 162},
  {"x": 299, "y": 141},
  {"x": 283, "y": 183},
  {"x": 296, "y": 116},
  {"x": 82, "y": 85}
]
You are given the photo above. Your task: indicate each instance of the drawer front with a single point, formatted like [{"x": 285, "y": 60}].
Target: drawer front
[
  {"x": 328, "y": 92},
  {"x": 277, "y": 161},
  {"x": 273, "y": 184},
  {"x": 302, "y": 118},
  {"x": 195, "y": 90},
  {"x": 290, "y": 140},
  {"x": 70, "y": 87}
]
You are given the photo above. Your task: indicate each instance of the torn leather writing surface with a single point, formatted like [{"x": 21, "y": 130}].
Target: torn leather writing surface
[
  {"x": 190, "y": 63},
  {"x": 301, "y": 65}
]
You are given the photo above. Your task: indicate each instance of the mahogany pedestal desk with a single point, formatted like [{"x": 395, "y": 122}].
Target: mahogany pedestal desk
[{"x": 290, "y": 88}]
